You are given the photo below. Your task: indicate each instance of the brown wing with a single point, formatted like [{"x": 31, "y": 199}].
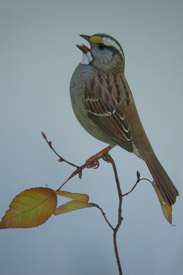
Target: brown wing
[
  {"x": 109, "y": 103},
  {"x": 103, "y": 97}
]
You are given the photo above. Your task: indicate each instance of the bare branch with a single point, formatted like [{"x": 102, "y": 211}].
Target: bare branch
[{"x": 93, "y": 162}]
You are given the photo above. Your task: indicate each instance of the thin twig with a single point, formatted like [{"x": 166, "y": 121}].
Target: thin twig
[
  {"x": 104, "y": 215},
  {"x": 108, "y": 158},
  {"x": 95, "y": 164},
  {"x": 138, "y": 180},
  {"x": 60, "y": 158}
]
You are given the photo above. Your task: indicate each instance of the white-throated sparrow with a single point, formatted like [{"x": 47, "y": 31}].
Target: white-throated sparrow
[{"x": 103, "y": 104}]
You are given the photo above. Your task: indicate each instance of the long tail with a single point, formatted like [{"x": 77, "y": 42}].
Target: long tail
[{"x": 166, "y": 187}]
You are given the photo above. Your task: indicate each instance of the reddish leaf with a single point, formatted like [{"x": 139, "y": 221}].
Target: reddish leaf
[{"x": 30, "y": 208}]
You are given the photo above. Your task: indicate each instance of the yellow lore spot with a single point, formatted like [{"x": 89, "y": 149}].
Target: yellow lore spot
[{"x": 96, "y": 39}]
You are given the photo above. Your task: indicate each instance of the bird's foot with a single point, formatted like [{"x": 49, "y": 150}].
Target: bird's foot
[{"x": 93, "y": 161}]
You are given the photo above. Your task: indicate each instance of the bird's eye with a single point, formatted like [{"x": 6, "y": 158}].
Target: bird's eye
[{"x": 101, "y": 46}]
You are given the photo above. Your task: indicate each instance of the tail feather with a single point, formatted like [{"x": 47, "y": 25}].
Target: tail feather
[{"x": 166, "y": 187}]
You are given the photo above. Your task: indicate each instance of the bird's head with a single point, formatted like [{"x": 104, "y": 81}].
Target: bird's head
[{"x": 105, "y": 54}]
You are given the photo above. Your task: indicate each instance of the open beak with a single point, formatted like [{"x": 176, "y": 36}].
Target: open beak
[{"x": 83, "y": 47}]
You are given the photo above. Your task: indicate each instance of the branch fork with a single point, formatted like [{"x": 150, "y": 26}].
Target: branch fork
[{"x": 93, "y": 162}]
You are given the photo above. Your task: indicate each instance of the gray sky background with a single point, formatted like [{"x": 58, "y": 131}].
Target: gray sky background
[{"x": 37, "y": 58}]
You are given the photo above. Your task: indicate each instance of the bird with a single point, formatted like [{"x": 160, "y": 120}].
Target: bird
[{"x": 104, "y": 105}]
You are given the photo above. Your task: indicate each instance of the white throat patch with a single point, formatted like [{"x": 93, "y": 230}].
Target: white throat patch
[{"x": 86, "y": 58}]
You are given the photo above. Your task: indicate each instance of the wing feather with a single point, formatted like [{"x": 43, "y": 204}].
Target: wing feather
[{"x": 103, "y": 96}]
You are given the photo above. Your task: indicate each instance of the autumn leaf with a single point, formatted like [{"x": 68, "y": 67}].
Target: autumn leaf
[
  {"x": 30, "y": 208},
  {"x": 79, "y": 201},
  {"x": 167, "y": 209},
  {"x": 71, "y": 206},
  {"x": 74, "y": 196}
]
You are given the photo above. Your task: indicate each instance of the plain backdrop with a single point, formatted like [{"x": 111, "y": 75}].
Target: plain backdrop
[{"x": 37, "y": 58}]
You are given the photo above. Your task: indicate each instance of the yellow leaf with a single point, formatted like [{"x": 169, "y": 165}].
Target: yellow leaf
[
  {"x": 71, "y": 206},
  {"x": 30, "y": 208},
  {"x": 167, "y": 209},
  {"x": 74, "y": 196}
]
